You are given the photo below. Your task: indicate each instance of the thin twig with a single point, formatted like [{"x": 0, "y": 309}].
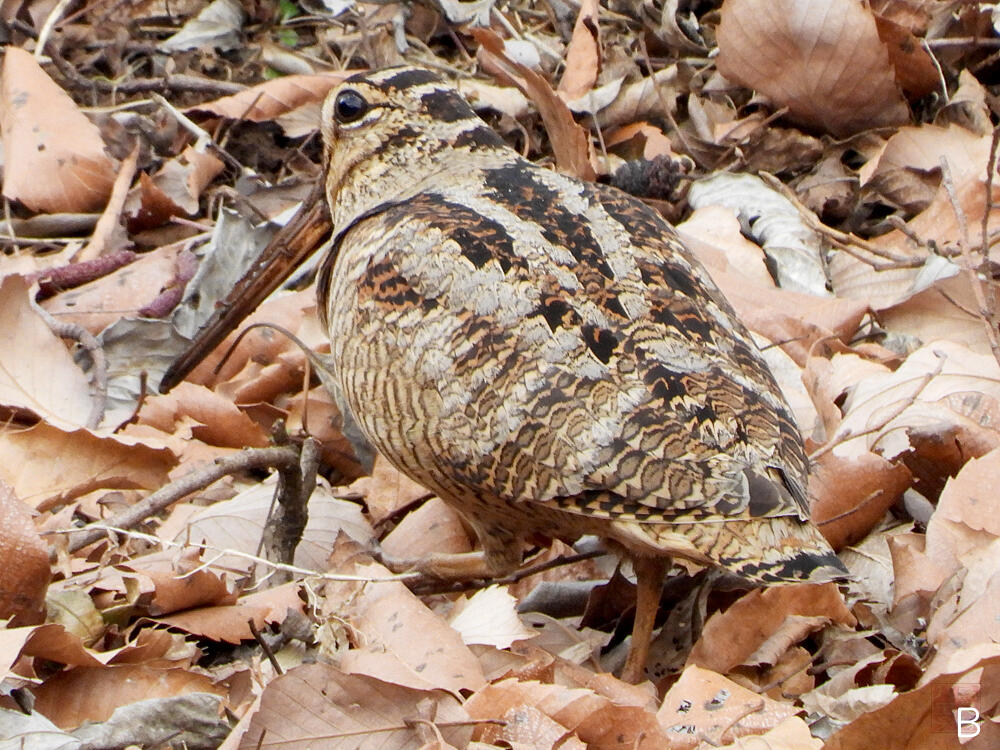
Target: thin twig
[
  {"x": 224, "y": 551},
  {"x": 163, "y": 498},
  {"x": 971, "y": 268}
]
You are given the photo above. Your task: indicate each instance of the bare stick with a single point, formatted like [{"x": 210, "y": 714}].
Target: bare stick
[{"x": 257, "y": 458}]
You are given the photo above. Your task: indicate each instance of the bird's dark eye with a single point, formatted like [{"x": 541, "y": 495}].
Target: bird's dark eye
[{"x": 349, "y": 106}]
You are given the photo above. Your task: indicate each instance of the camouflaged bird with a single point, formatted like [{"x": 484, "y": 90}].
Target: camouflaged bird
[{"x": 545, "y": 354}]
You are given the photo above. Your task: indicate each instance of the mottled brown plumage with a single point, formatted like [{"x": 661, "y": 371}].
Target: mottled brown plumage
[{"x": 545, "y": 354}]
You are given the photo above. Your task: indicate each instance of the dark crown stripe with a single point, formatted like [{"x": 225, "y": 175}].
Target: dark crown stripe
[{"x": 405, "y": 78}]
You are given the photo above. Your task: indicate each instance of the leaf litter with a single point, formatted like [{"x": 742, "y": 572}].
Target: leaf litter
[{"x": 148, "y": 158}]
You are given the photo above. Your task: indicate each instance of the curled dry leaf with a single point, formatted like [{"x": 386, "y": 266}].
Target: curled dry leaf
[
  {"x": 54, "y": 159},
  {"x": 124, "y": 291},
  {"x": 915, "y": 69},
  {"x": 237, "y": 524},
  {"x": 230, "y": 623},
  {"x": 823, "y": 60},
  {"x": 940, "y": 377},
  {"x": 597, "y": 720},
  {"x": 432, "y": 528},
  {"x": 925, "y": 717},
  {"x": 206, "y": 416},
  {"x": 570, "y": 142},
  {"x": 24, "y": 563}
]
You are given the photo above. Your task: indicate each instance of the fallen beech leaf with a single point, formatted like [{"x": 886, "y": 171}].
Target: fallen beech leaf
[
  {"x": 238, "y": 523},
  {"x": 597, "y": 720},
  {"x": 217, "y": 420},
  {"x": 489, "y": 618},
  {"x": 273, "y": 98},
  {"x": 54, "y": 159},
  {"x": 791, "y": 734},
  {"x": 938, "y": 378},
  {"x": 731, "y": 637},
  {"x": 388, "y": 489},
  {"x": 124, "y": 291},
  {"x": 583, "y": 56},
  {"x": 433, "y": 527},
  {"x": 924, "y": 719},
  {"x": 231, "y": 622},
  {"x": 24, "y": 563},
  {"x": 851, "y": 495},
  {"x": 75, "y": 463},
  {"x": 92, "y": 693},
  {"x": 915, "y": 69},
  {"x": 317, "y": 705},
  {"x": 37, "y": 371},
  {"x": 821, "y": 59},
  {"x": 705, "y": 704},
  {"x": 404, "y": 642}
]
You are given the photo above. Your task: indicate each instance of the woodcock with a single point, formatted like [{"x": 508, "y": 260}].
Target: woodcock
[{"x": 546, "y": 355}]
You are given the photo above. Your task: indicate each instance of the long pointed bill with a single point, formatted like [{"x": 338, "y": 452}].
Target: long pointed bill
[{"x": 289, "y": 248}]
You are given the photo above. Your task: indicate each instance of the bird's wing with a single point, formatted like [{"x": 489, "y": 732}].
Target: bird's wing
[{"x": 576, "y": 354}]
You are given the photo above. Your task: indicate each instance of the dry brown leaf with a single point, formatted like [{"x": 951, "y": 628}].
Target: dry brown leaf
[
  {"x": 526, "y": 726},
  {"x": 75, "y": 463},
  {"x": 54, "y": 159},
  {"x": 205, "y": 416},
  {"x": 967, "y": 615},
  {"x": 124, "y": 292},
  {"x": 570, "y": 142},
  {"x": 598, "y": 721},
  {"x": 821, "y": 59},
  {"x": 92, "y": 693},
  {"x": 315, "y": 413},
  {"x": 49, "y": 641},
  {"x": 851, "y": 495},
  {"x": 924, "y": 719},
  {"x": 916, "y": 72},
  {"x": 583, "y": 56},
  {"x": 945, "y": 310},
  {"x": 273, "y": 98},
  {"x": 640, "y": 140},
  {"x": 176, "y": 583},
  {"x": 37, "y": 371},
  {"x": 238, "y": 523},
  {"x": 433, "y": 527},
  {"x": 24, "y": 563},
  {"x": 262, "y": 344},
  {"x": 731, "y": 637},
  {"x": 791, "y": 734},
  {"x": 403, "y": 642},
  {"x": 317, "y": 705},
  {"x": 387, "y": 490},
  {"x": 230, "y": 623},
  {"x": 703, "y": 704}
]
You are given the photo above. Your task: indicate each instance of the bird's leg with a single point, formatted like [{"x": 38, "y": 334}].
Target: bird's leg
[
  {"x": 500, "y": 555},
  {"x": 649, "y": 572}
]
